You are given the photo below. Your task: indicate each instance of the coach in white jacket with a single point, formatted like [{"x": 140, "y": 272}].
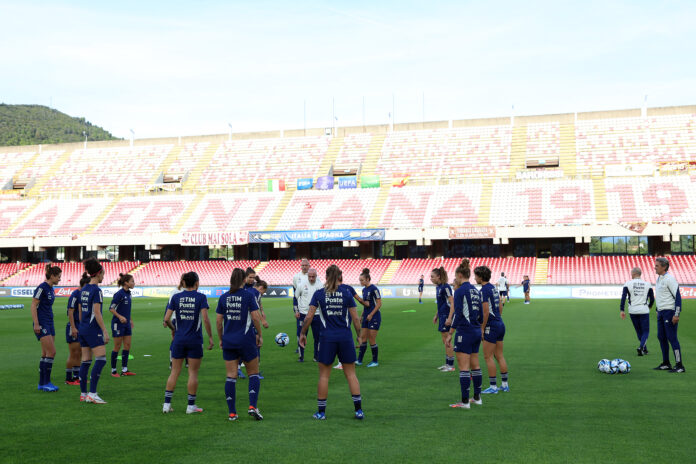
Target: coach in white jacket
[
  {"x": 668, "y": 301},
  {"x": 640, "y": 297},
  {"x": 303, "y": 292}
]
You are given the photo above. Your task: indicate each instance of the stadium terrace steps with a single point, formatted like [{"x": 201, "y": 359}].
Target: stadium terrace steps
[
  {"x": 568, "y": 157},
  {"x": 375, "y": 219},
  {"x": 374, "y": 152},
  {"x": 541, "y": 271},
  {"x": 167, "y": 273},
  {"x": 10, "y": 270},
  {"x": 411, "y": 269},
  {"x": 48, "y": 175},
  {"x": 518, "y": 150},
  {"x": 103, "y": 214},
  {"x": 330, "y": 157},
  {"x": 278, "y": 213},
  {"x": 260, "y": 267},
  {"x": 280, "y": 272},
  {"x": 168, "y": 161},
  {"x": 188, "y": 212},
  {"x": 600, "y": 200},
  {"x": 25, "y": 214},
  {"x": 485, "y": 203},
  {"x": 195, "y": 174},
  {"x": 389, "y": 273},
  {"x": 137, "y": 266},
  {"x": 72, "y": 272}
]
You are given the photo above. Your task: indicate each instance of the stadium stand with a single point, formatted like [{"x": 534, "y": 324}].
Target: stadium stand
[
  {"x": 544, "y": 139},
  {"x": 145, "y": 215},
  {"x": 514, "y": 268},
  {"x": 317, "y": 209},
  {"x": 53, "y": 218},
  {"x": 8, "y": 269},
  {"x": 280, "y": 272},
  {"x": 169, "y": 272},
  {"x": 232, "y": 212},
  {"x": 72, "y": 272},
  {"x": 353, "y": 152},
  {"x": 662, "y": 199},
  {"x": 11, "y": 210},
  {"x": 11, "y": 164}
]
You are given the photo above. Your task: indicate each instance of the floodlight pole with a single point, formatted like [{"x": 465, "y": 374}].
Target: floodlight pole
[{"x": 229, "y": 124}]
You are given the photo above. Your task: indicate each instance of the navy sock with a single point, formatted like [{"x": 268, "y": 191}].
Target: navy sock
[
  {"x": 124, "y": 359},
  {"x": 254, "y": 387},
  {"x": 68, "y": 374},
  {"x": 114, "y": 357},
  {"x": 99, "y": 364},
  {"x": 504, "y": 377},
  {"x": 321, "y": 405},
  {"x": 375, "y": 351},
  {"x": 84, "y": 372},
  {"x": 493, "y": 381},
  {"x": 357, "y": 402},
  {"x": 42, "y": 372},
  {"x": 477, "y": 379},
  {"x": 231, "y": 394},
  {"x": 361, "y": 352},
  {"x": 48, "y": 367},
  {"x": 301, "y": 353},
  {"x": 449, "y": 361},
  {"x": 168, "y": 396},
  {"x": 191, "y": 399},
  {"x": 465, "y": 383},
  {"x": 76, "y": 372}
]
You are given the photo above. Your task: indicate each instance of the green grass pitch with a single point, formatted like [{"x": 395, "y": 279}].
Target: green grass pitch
[{"x": 560, "y": 409}]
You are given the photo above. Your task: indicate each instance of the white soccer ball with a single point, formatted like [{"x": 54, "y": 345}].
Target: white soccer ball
[
  {"x": 282, "y": 339},
  {"x": 614, "y": 366},
  {"x": 624, "y": 367},
  {"x": 603, "y": 366}
]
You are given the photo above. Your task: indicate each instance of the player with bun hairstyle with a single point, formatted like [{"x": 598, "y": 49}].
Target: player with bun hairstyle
[
  {"x": 92, "y": 333},
  {"x": 42, "y": 319},
  {"x": 467, "y": 307},
  {"x": 421, "y": 282},
  {"x": 336, "y": 307},
  {"x": 191, "y": 308},
  {"x": 492, "y": 330},
  {"x": 122, "y": 324},
  {"x": 72, "y": 366},
  {"x": 371, "y": 318},
  {"x": 179, "y": 289},
  {"x": 237, "y": 311},
  {"x": 445, "y": 313}
]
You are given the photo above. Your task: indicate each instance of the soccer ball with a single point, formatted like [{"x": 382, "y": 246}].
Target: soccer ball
[
  {"x": 282, "y": 339},
  {"x": 614, "y": 366},
  {"x": 603, "y": 366},
  {"x": 624, "y": 367}
]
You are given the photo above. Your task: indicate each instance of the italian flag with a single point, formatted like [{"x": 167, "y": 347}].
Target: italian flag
[{"x": 275, "y": 185}]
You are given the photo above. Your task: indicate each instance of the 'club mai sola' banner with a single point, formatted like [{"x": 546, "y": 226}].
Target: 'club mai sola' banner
[{"x": 213, "y": 238}]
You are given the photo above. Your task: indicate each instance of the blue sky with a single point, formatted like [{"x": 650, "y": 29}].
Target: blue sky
[{"x": 187, "y": 68}]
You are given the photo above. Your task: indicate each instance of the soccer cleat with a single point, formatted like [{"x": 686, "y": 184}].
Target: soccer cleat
[
  {"x": 640, "y": 352},
  {"x": 461, "y": 405},
  {"x": 490, "y": 391},
  {"x": 240, "y": 374},
  {"x": 193, "y": 409},
  {"x": 448, "y": 369},
  {"x": 41, "y": 388},
  {"x": 94, "y": 398},
  {"x": 444, "y": 366},
  {"x": 359, "y": 414},
  {"x": 232, "y": 417},
  {"x": 72, "y": 382},
  {"x": 319, "y": 416},
  {"x": 167, "y": 408},
  {"x": 359, "y": 363},
  {"x": 261, "y": 377},
  {"x": 338, "y": 366},
  {"x": 254, "y": 412},
  {"x": 314, "y": 359},
  {"x": 476, "y": 401},
  {"x": 678, "y": 368},
  {"x": 49, "y": 387},
  {"x": 300, "y": 360},
  {"x": 115, "y": 374},
  {"x": 375, "y": 364},
  {"x": 645, "y": 350},
  {"x": 665, "y": 366},
  {"x": 297, "y": 351},
  {"x": 506, "y": 388},
  {"x": 127, "y": 373},
  {"x": 83, "y": 397}
]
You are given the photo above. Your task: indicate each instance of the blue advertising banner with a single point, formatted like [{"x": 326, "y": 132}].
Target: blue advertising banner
[
  {"x": 347, "y": 182},
  {"x": 305, "y": 184},
  {"x": 342, "y": 235},
  {"x": 325, "y": 183}
]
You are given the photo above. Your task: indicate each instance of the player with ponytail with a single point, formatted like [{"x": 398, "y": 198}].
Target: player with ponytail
[
  {"x": 72, "y": 366},
  {"x": 42, "y": 318},
  {"x": 92, "y": 333},
  {"x": 492, "y": 331},
  {"x": 371, "y": 318},
  {"x": 122, "y": 324},
  {"x": 444, "y": 313}
]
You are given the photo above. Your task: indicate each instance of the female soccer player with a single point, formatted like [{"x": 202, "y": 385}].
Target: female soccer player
[
  {"x": 122, "y": 324},
  {"x": 357, "y": 297},
  {"x": 525, "y": 288},
  {"x": 92, "y": 333},
  {"x": 444, "y": 314},
  {"x": 467, "y": 306},
  {"x": 371, "y": 318},
  {"x": 190, "y": 307},
  {"x": 72, "y": 366},
  {"x": 42, "y": 318},
  {"x": 421, "y": 282},
  {"x": 336, "y": 305},
  {"x": 237, "y": 310},
  {"x": 179, "y": 289},
  {"x": 492, "y": 330}
]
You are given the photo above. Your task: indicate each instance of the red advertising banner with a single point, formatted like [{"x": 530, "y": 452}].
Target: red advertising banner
[
  {"x": 214, "y": 238},
  {"x": 472, "y": 232}
]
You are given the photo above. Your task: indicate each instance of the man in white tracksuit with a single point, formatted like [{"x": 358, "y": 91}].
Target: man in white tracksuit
[
  {"x": 640, "y": 297},
  {"x": 304, "y": 293},
  {"x": 297, "y": 279},
  {"x": 669, "y": 303}
]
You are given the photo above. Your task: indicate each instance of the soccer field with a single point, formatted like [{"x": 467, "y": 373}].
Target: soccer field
[{"x": 560, "y": 408}]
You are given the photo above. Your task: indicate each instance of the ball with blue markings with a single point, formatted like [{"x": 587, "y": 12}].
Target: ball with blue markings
[
  {"x": 282, "y": 339},
  {"x": 624, "y": 367},
  {"x": 603, "y": 366}
]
